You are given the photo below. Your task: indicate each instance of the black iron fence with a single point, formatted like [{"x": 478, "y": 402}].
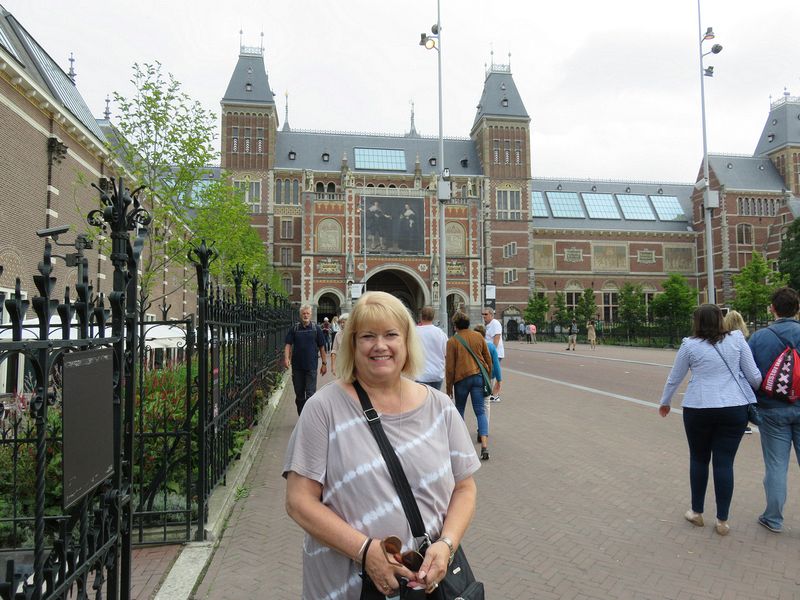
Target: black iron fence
[
  {"x": 114, "y": 431},
  {"x": 649, "y": 334}
]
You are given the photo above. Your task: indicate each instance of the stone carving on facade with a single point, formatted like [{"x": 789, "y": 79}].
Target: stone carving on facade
[
  {"x": 329, "y": 236},
  {"x": 308, "y": 180},
  {"x": 329, "y": 266},
  {"x": 573, "y": 255},
  {"x": 646, "y": 257},
  {"x": 455, "y": 239}
]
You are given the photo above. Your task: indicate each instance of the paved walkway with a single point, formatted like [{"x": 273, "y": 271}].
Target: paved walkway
[{"x": 583, "y": 497}]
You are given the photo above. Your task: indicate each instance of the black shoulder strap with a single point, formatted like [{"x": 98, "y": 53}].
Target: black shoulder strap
[{"x": 393, "y": 464}]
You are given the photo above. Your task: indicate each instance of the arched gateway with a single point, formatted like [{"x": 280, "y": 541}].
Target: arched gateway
[{"x": 402, "y": 283}]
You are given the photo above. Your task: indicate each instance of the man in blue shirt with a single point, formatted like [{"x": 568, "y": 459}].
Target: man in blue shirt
[
  {"x": 780, "y": 426},
  {"x": 303, "y": 341}
]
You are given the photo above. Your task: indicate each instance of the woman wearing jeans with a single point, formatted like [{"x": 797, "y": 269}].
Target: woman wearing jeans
[
  {"x": 463, "y": 376},
  {"x": 714, "y": 406}
]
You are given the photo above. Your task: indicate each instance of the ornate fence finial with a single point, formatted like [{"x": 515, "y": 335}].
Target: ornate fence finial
[
  {"x": 238, "y": 277},
  {"x": 254, "y": 281},
  {"x": 201, "y": 256}
]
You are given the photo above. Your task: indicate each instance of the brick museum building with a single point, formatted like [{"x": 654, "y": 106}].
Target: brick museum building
[
  {"x": 336, "y": 209},
  {"x": 342, "y": 208}
]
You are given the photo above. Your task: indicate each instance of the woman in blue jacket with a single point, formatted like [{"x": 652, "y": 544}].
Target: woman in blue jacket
[{"x": 714, "y": 406}]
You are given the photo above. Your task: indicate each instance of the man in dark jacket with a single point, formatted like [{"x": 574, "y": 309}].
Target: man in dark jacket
[
  {"x": 304, "y": 342},
  {"x": 780, "y": 427}
]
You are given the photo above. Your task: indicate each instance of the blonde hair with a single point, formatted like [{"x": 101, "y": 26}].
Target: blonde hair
[
  {"x": 378, "y": 308},
  {"x": 734, "y": 320}
]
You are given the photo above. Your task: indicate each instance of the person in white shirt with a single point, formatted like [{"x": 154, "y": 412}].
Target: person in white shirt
[
  {"x": 494, "y": 331},
  {"x": 434, "y": 348},
  {"x": 724, "y": 374}
]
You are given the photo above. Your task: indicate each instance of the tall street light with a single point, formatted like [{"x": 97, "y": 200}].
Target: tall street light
[
  {"x": 710, "y": 199},
  {"x": 434, "y": 42}
]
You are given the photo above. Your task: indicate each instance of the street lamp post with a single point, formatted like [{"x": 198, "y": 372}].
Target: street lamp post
[
  {"x": 710, "y": 200},
  {"x": 430, "y": 42}
]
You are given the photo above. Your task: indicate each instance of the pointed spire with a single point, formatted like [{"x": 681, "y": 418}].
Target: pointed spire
[
  {"x": 286, "y": 126},
  {"x": 107, "y": 111},
  {"x": 72, "y": 72},
  {"x": 413, "y": 131}
]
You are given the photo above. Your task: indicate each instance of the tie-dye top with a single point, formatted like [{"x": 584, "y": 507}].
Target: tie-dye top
[{"x": 333, "y": 445}]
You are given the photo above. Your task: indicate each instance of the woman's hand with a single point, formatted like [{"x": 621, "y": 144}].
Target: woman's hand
[
  {"x": 434, "y": 567},
  {"x": 663, "y": 410},
  {"x": 383, "y": 573},
  {"x": 496, "y": 388}
]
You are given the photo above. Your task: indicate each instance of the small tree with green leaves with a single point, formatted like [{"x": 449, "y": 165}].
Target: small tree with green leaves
[
  {"x": 537, "y": 309},
  {"x": 632, "y": 308},
  {"x": 789, "y": 257},
  {"x": 586, "y": 308},
  {"x": 754, "y": 285},
  {"x": 164, "y": 139},
  {"x": 223, "y": 216},
  {"x": 674, "y": 307},
  {"x": 562, "y": 314}
]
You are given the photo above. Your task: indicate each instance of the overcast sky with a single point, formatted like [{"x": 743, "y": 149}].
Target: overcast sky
[{"x": 612, "y": 88}]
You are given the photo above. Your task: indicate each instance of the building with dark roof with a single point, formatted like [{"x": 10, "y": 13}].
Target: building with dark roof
[{"x": 338, "y": 208}]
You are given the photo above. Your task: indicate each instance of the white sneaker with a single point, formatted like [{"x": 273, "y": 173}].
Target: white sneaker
[{"x": 494, "y": 398}]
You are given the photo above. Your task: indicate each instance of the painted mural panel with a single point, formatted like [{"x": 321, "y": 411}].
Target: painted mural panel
[
  {"x": 543, "y": 257},
  {"x": 679, "y": 259},
  {"x": 609, "y": 258},
  {"x": 456, "y": 240},
  {"x": 394, "y": 225}
]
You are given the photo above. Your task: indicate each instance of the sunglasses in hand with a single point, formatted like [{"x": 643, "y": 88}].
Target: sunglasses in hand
[{"x": 393, "y": 547}]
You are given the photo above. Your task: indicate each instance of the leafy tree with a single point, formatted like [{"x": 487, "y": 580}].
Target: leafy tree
[
  {"x": 222, "y": 216},
  {"x": 675, "y": 305},
  {"x": 164, "y": 140},
  {"x": 754, "y": 285},
  {"x": 789, "y": 257},
  {"x": 632, "y": 307},
  {"x": 586, "y": 308},
  {"x": 562, "y": 314},
  {"x": 536, "y": 311}
]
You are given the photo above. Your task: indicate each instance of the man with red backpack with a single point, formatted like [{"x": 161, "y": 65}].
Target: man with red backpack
[{"x": 780, "y": 414}]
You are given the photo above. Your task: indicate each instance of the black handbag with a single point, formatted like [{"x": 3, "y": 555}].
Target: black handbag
[
  {"x": 752, "y": 408},
  {"x": 459, "y": 583}
]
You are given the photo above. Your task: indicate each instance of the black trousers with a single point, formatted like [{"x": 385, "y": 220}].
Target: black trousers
[{"x": 305, "y": 386}]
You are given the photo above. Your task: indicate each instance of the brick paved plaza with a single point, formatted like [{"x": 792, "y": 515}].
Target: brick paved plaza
[{"x": 583, "y": 497}]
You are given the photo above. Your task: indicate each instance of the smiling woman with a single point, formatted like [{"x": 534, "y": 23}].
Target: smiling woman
[{"x": 338, "y": 487}]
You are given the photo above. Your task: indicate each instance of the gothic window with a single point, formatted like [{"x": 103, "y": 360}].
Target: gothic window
[
  {"x": 260, "y": 140},
  {"x": 295, "y": 191},
  {"x": 286, "y": 281},
  {"x": 287, "y": 191},
  {"x": 320, "y": 187},
  {"x": 278, "y": 190},
  {"x": 286, "y": 256},
  {"x": 496, "y": 152},
  {"x": 287, "y": 229},
  {"x": 234, "y": 139},
  {"x": 518, "y": 152},
  {"x": 509, "y": 205},
  {"x": 507, "y": 152},
  {"x": 744, "y": 234}
]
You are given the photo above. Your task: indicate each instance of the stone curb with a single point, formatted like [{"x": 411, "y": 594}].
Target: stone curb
[{"x": 191, "y": 563}]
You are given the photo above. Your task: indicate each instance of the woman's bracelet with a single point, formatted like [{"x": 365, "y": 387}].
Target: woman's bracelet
[{"x": 362, "y": 552}]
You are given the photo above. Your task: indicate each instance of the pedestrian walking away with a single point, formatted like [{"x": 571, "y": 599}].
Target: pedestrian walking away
[
  {"x": 434, "y": 348},
  {"x": 337, "y": 340},
  {"x": 467, "y": 358},
  {"x": 734, "y": 320},
  {"x": 780, "y": 421},
  {"x": 335, "y": 328},
  {"x": 591, "y": 334},
  {"x": 303, "y": 343},
  {"x": 714, "y": 406},
  {"x": 532, "y": 336},
  {"x": 497, "y": 376},
  {"x": 338, "y": 488},
  {"x": 494, "y": 331}
]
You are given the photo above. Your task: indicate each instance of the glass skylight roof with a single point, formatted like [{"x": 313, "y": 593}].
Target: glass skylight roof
[
  {"x": 600, "y": 206},
  {"x": 668, "y": 208},
  {"x": 538, "y": 207},
  {"x": 565, "y": 204},
  {"x": 6, "y": 43},
  {"x": 635, "y": 207},
  {"x": 380, "y": 159}
]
